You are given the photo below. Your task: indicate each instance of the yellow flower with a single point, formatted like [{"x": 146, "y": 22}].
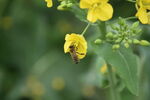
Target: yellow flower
[
  {"x": 49, "y": 3},
  {"x": 76, "y": 45},
  {"x": 88, "y": 90},
  {"x": 97, "y": 9},
  {"x": 103, "y": 69},
  {"x": 58, "y": 83},
  {"x": 143, "y": 14}
]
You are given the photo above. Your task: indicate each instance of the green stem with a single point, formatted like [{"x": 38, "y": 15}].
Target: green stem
[
  {"x": 142, "y": 80},
  {"x": 111, "y": 77},
  {"x": 129, "y": 18},
  {"x": 102, "y": 28},
  {"x": 85, "y": 29},
  {"x": 131, "y": 1}
]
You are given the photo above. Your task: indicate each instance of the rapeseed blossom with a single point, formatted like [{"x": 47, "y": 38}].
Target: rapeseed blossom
[
  {"x": 97, "y": 9},
  {"x": 142, "y": 11},
  {"x": 78, "y": 42}
]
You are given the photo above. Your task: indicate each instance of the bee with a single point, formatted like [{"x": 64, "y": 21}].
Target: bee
[{"x": 74, "y": 55}]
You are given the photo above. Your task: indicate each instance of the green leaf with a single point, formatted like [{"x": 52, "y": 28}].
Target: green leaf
[
  {"x": 93, "y": 76},
  {"x": 124, "y": 62}
]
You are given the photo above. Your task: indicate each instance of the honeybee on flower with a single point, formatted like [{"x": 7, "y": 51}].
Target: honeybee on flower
[{"x": 76, "y": 45}]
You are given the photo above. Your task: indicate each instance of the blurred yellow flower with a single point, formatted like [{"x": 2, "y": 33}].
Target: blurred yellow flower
[
  {"x": 49, "y": 3},
  {"x": 143, "y": 14},
  {"x": 76, "y": 45},
  {"x": 97, "y": 9},
  {"x": 88, "y": 90},
  {"x": 103, "y": 69},
  {"x": 35, "y": 86},
  {"x": 58, "y": 83},
  {"x": 6, "y": 22}
]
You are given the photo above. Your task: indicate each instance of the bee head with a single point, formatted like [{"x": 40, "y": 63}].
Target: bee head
[{"x": 71, "y": 46}]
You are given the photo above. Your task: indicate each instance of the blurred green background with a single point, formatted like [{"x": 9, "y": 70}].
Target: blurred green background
[{"x": 33, "y": 65}]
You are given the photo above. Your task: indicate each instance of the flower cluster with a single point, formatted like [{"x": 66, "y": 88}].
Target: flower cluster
[
  {"x": 64, "y": 5},
  {"x": 123, "y": 34}
]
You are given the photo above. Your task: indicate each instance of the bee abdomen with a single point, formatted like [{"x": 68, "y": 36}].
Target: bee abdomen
[{"x": 76, "y": 60}]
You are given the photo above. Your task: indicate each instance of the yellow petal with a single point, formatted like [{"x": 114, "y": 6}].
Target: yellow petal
[
  {"x": 104, "y": 12},
  {"x": 148, "y": 17},
  {"x": 85, "y": 3},
  {"x": 82, "y": 48},
  {"x": 104, "y": 1},
  {"x": 66, "y": 46},
  {"x": 139, "y": 2},
  {"x": 92, "y": 15},
  {"x": 142, "y": 15},
  {"x": 89, "y": 3},
  {"x": 145, "y": 1},
  {"x": 146, "y": 4},
  {"x": 49, "y": 3},
  {"x": 74, "y": 37}
]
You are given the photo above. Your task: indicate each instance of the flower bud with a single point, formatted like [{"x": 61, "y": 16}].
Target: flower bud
[
  {"x": 60, "y": 7},
  {"x": 113, "y": 27},
  {"x": 109, "y": 35},
  {"x": 136, "y": 41},
  {"x": 135, "y": 25},
  {"x": 69, "y": 5},
  {"x": 144, "y": 43},
  {"x": 129, "y": 41},
  {"x": 139, "y": 30},
  {"x": 118, "y": 40},
  {"x": 115, "y": 36},
  {"x": 63, "y": 3},
  {"x": 126, "y": 45},
  {"x": 121, "y": 21},
  {"x": 124, "y": 41},
  {"x": 116, "y": 46},
  {"x": 98, "y": 41}
]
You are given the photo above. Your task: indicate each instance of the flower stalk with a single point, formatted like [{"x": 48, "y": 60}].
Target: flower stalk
[
  {"x": 84, "y": 31},
  {"x": 102, "y": 28},
  {"x": 129, "y": 18},
  {"x": 131, "y": 1},
  {"x": 111, "y": 77}
]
